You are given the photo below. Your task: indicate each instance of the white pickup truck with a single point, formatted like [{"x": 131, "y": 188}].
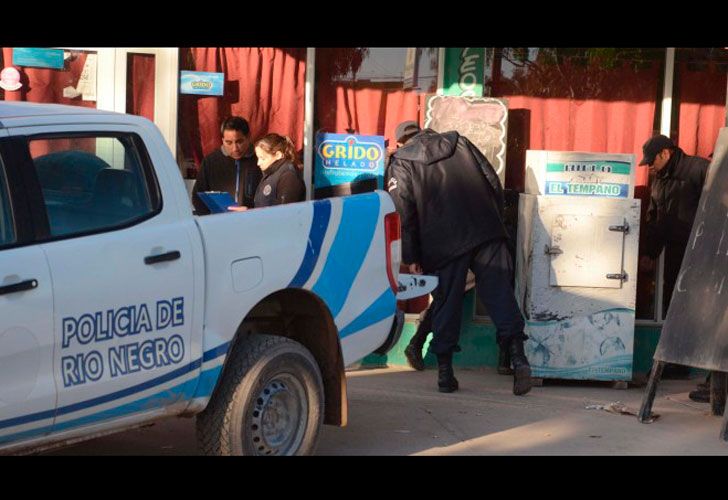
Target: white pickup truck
[{"x": 118, "y": 306}]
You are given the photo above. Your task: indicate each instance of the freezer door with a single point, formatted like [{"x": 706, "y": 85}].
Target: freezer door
[{"x": 587, "y": 251}]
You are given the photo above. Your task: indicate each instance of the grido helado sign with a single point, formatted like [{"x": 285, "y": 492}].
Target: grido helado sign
[{"x": 342, "y": 158}]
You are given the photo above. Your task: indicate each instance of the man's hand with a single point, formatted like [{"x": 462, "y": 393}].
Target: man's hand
[
  {"x": 235, "y": 208},
  {"x": 415, "y": 268}
]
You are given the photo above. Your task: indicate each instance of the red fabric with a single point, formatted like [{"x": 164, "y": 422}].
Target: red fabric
[
  {"x": 604, "y": 111},
  {"x": 365, "y": 109},
  {"x": 702, "y": 96},
  {"x": 140, "y": 80},
  {"x": 263, "y": 85}
]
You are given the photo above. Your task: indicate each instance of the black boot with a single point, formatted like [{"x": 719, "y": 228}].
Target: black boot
[
  {"x": 446, "y": 381},
  {"x": 521, "y": 368},
  {"x": 504, "y": 361},
  {"x": 413, "y": 353}
]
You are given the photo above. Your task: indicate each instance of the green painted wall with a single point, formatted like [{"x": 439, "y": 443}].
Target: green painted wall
[{"x": 479, "y": 349}]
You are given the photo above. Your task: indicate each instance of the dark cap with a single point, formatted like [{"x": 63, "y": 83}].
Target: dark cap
[
  {"x": 653, "y": 147},
  {"x": 405, "y": 129}
]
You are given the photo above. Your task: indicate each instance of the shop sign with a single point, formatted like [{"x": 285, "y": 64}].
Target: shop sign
[
  {"x": 605, "y": 179},
  {"x": 342, "y": 158},
  {"x": 39, "y": 58},
  {"x": 202, "y": 83},
  {"x": 464, "y": 71}
]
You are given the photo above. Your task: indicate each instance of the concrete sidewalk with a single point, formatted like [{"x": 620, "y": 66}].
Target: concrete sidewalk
[{"x": 397, "y": 411}]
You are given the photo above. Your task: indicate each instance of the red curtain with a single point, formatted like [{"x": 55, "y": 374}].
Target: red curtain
[
  {"x": 368, "y": 110},
  {"x": 263, "y": 85},
  {"x": 140, "y": 80},
  {"x": 702, "y": 96},
  {"x": 586, "y": 110}
]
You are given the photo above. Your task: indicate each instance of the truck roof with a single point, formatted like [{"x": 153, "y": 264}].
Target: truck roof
[
  {"x": 11, "y": 109},
  {"x": 28, "y": 110}
]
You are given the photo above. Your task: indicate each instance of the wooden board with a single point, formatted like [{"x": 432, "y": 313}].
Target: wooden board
[{"x": 696, "y": 328}]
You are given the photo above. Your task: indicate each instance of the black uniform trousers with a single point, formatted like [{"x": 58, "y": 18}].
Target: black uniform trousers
[{"x": 493, "y": 269}]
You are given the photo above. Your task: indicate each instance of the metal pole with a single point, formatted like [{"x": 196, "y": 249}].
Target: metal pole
[
  {"x": 665, "y": 126},
  {"x": 308, "y": 132}
]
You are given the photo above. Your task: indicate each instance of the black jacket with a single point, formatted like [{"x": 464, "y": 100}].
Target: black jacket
[
  {"x": 281, "y": 184},
  {"x": 219, "y": 173},
  {"x": 674, "y": 197},
  {"x": 448, "y": 195}
]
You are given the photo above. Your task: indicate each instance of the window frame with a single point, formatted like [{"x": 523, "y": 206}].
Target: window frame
[
  {"x": 19, "y": 204},
  {"x": 34, "y": 194}
]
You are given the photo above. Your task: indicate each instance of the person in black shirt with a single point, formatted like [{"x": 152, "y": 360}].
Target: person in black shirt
[{"x": 232, "y": 168}]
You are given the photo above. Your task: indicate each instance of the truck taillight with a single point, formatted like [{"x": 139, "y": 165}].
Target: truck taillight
[{"x": 394, "y": 248}]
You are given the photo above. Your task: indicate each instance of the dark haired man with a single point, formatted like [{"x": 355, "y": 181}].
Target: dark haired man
[
  {"x": 232, "y": 168},
  {"x": 674, "y": 197}
]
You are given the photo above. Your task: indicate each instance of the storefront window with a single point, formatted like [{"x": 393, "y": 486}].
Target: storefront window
[
  {"x": 140, "y": 84},
  {"x": 579, "y": 99},
  {"x": 74, "y": 84}
]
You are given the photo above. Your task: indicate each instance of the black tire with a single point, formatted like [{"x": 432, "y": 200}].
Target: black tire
[{"x": 270, "y": 401}]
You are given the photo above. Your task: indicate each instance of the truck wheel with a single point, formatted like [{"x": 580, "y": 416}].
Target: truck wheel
[{"x": 270, "y": 401}]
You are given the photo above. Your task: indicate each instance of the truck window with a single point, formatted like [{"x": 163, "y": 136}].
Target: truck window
[
  {"x": 90, "y": 183},
  {"x": 7, "y": 231}
]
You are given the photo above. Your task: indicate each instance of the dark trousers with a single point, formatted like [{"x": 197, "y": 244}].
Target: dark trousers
[{"x": 492, "y": 266}]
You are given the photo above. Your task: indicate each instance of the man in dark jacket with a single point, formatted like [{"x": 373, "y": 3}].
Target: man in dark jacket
[
  {"x": 450, "y": 202},
  {"x": 674, "y": 197},
  {"x": 232, "y": 168}
]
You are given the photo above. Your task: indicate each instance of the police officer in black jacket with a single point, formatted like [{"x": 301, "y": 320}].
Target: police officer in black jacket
[
  {"x": 282, "y": 182},
  {"x": 232, "y": 168},
  {"x": 451, "y": 206}
]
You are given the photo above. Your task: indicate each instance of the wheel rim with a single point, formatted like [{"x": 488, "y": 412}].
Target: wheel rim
[{"x": 279, "y": 416}]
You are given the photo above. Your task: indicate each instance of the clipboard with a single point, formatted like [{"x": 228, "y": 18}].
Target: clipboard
[{"x": 217, "y": 201}]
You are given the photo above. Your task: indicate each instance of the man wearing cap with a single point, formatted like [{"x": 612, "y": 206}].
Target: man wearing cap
[
  {"x": 450, "y": 203},
  {"x": 674, "y": 196},
  {"x": 677, "y": 183}
]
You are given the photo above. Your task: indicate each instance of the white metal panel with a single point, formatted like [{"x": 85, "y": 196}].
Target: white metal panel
[
  {"x": 27, "y": 386},
  {"x": 585, "y": 251}
]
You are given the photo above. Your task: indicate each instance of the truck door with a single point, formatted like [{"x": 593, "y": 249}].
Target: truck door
[
  {"x": 121, "y": 265},
  {"x": 27, "y": 386}
]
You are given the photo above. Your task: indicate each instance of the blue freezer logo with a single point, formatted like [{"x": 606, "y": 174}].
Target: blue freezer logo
[{"x": 598, "y": 189}]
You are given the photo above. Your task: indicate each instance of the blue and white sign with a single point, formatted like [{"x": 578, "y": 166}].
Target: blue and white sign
[
  {"x": 201, "y": 83},
  {"x": 39, "y": 58},
  {"x": 342, "y": 158}
]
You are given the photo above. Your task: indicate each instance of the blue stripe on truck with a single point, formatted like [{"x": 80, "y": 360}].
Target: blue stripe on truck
[
  {"x": 179, "y": 372},
  {"x": 321, "y": 216},
  {"x": 355, "y": 235},
  {"x": 379, "y": 310}
]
